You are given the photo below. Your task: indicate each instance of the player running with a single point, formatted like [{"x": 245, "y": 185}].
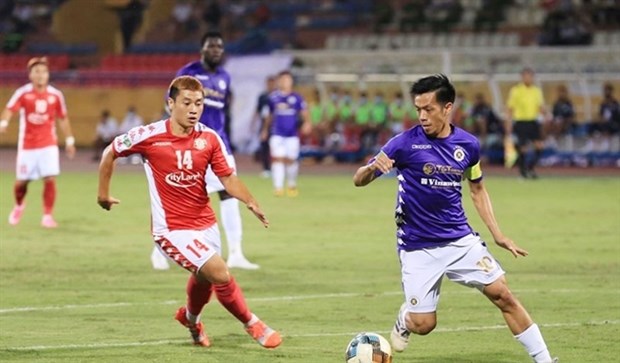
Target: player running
[
  {"x": 433, "y": 236},
  {"x": 216, "y": 83},
  {"x": 177, "y": 153}
]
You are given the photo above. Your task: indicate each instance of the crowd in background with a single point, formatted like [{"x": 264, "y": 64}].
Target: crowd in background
[
  {"x": 256, "y": 25},
  {"x": 348, "y": 128}
]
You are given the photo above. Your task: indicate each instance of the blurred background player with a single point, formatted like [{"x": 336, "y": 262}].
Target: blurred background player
[
  {"x": 262, "y": 111},
  {"x": 216, "y": 83},
  {"x": 525, "y": 105},
  {"x": 287, "y": 108},
  {"x": 37, "y": 152},
  {"x": 183, "y": 224}
]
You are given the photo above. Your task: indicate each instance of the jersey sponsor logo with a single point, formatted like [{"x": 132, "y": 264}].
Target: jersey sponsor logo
[
  {"x": 421, "y": 146},
  {"x": 37, "y": 118},
  {"x": 162, "y": 143},
  {"x": 200, "y": 144},
  {"x": 435, "y": 183},
  {"x": 214, "y": 103},
  {"x": 430, "y": 169},
  {"x": 459, "y": 154},
  {"x": 182, "y": 179},
  {"x": 213, "y": 93}
]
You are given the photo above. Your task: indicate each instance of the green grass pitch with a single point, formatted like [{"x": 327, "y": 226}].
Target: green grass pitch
[{"x": 85, "y": 292}]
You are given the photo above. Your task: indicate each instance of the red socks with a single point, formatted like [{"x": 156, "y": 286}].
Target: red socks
[
  {"x": 49, "y": 196},
  {"x": 231, "y": 297},
  {"x": 20, "y": 190},
  {"x": 198, "y": 294}
]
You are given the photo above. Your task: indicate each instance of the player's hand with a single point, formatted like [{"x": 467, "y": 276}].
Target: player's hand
[
  {"x": 107, "y": 202},
  {"x": 264, "y": 135},
  {"x": 258, "y": 213},
  {"x": 382, "y": 163},
  {"x": 507, "y": 243},
  {"x": 70, "y": 150}
]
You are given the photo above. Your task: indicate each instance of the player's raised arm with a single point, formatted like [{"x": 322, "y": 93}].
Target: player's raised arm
[
  {"x": 367, "y": 173},
  {"x": 106, "y": 169}
]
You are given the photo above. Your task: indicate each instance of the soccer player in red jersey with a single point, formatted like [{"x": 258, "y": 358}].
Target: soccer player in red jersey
[
  {"x": 177, "y": 153},
  {"x": 37, "y": 152}
]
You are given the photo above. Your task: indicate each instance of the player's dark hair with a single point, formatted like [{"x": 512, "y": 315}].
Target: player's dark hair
[
  {"x": 285, "y": 73},
  {"x": 438, "y": 83},
  {"x": 183, "y": 83},
  {"x": 210, "y": 34}
]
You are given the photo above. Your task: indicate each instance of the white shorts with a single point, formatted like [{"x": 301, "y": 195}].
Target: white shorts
[
  {"x": 33, "y": 164},
  {"x": 284, "y": 147},
  {"x": 466, "y": 261},
  {"x": 213, "y": 182},
  {"x": 190, "y": 249}
]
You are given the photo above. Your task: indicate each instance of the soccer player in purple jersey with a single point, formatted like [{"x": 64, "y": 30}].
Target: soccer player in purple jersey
[
  {"x": 216, "y": 83},
  {"x": 286, "y": 109},
  {"x": 433, "y": 236}
]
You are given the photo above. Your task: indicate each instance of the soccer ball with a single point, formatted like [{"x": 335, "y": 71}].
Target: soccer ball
[{"x": 368, "y": 348}]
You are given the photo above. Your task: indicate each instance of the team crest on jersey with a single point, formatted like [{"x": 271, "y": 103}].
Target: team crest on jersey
[
  {"x": 459, "y": 154},
  {"x": 414, "y": 301},
  {"x": 291, "y": 99},
  {"x": 200, "y": 144},
  {"x": 428, "y": 169},
  {"x": 51, "y": 99},
  {"x": 222, "y": 84}
]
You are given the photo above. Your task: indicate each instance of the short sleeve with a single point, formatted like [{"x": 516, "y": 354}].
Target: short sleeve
[
  {"x": 129, "y": 143},
  {"x": 218, "y": 162},
  {"x": 391, "y": 150},
  {"x": 15, "y": 102},
  {"x": 61, "y": 106},
  {"x": 474, "y": 171},
  {"x": 302, "y": 103}
]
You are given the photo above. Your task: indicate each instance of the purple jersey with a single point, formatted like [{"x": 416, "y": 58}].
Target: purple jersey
[
  {"x": 429, "y": 212},
  {"x": 285, "y": 110},
  {"x": 217, "y": 91}
]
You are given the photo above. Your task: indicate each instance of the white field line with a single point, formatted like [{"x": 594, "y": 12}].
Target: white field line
[
  {"x": 316, "y": 335},
  {"x": 19, "y": 309}
]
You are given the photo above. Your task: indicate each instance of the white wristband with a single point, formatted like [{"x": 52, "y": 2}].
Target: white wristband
[
  {"x": 4, "y": 123},
  {"x": 70, "y": 141}
]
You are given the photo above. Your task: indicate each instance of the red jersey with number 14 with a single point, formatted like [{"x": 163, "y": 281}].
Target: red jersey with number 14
[
  {"x": 176, "y": 171},
  {"x": 38, "y": 113}
]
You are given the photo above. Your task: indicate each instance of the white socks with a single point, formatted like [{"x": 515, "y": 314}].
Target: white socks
[
  {"x": 231, "y": 221},
  {"x": 535, "y": 345},
  {"x": 291, "y": 174},
  {"x": 277, "y": 173}
]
